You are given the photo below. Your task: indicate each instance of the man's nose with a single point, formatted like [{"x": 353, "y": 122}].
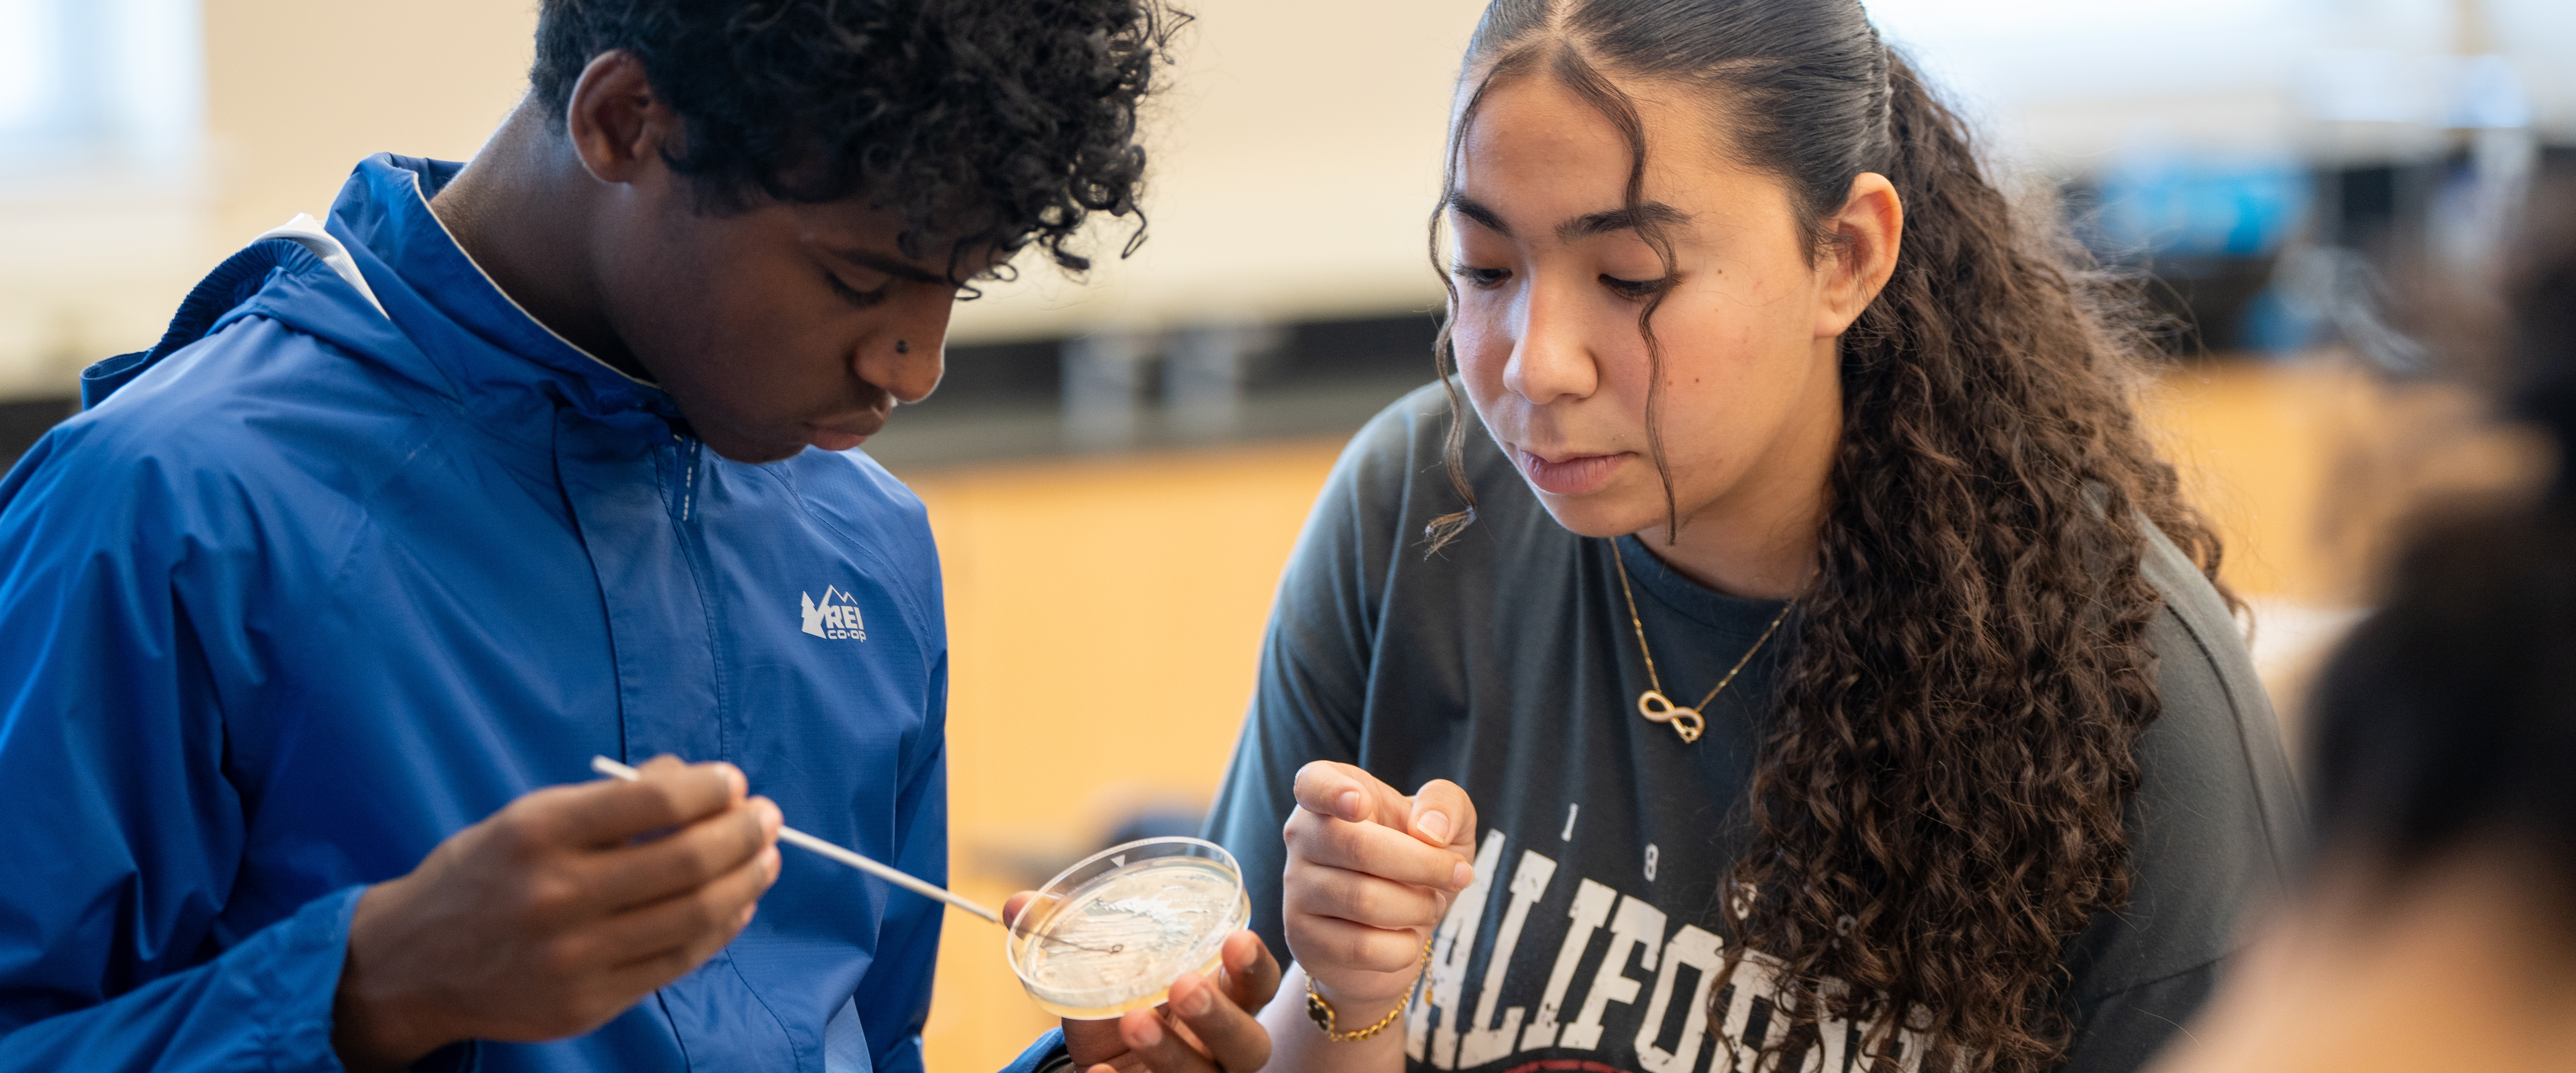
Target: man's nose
[{"x": 908, "y": 357}]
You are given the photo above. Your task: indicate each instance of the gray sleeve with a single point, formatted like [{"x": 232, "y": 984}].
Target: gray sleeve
[
  {"x": 2124, "y": 1030},
  {"x": 1310, "y": 699},
  {"x": 2214, "y": 828}
]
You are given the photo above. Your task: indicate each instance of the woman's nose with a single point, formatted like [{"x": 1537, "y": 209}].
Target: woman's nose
[{"x": 1551, "y": 358}]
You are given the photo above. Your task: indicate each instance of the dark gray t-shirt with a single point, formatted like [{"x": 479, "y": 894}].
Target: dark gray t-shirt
[{"x": 1508, "y": 664}]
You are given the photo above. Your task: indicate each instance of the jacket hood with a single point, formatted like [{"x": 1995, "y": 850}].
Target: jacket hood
[{"x": 385, "y": 279}]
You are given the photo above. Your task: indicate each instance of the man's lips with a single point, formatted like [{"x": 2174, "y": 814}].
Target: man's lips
[
  {"x": 1571, "y": 474},
  {"x": 843, "y": 435}
]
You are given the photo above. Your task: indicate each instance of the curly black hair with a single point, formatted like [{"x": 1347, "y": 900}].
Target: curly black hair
[{"x": 982, "y": 123}]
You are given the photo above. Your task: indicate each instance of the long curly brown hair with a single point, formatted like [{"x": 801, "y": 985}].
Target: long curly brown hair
[{"x": 1937, "y": 803}]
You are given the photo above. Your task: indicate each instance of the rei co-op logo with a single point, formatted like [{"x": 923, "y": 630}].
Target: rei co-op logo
[{"x": 835, "y": 616}]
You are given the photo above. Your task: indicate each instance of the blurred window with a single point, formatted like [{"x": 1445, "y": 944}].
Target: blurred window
[
  {"x": 2181, "y": 206},
  {"x": 25, "y": 63},
  {"x": 86, "y": 84},
  {"x": 2068, "y": 84}
]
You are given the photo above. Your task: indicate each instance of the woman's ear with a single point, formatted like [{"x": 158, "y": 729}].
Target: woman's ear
[{"x": 1862, "y": 253}]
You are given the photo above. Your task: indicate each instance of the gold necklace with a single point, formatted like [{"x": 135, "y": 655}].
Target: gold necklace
[{"x": 1652, "y": 703}]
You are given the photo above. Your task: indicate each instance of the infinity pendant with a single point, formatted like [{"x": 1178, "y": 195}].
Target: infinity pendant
[{"x": 1657, "y": 709}]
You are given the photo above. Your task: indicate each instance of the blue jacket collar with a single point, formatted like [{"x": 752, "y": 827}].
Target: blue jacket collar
[{"x": 475, "y": 334}]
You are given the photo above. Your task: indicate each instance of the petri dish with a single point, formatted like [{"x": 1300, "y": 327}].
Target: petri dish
[{"x": 1112, "y": 933}]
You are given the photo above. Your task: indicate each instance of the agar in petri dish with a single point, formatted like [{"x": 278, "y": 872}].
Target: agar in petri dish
[{"x": 1112, "y": 933}]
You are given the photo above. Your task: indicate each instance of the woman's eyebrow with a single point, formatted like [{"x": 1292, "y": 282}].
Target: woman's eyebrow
[
  {"x": 1475, "y": 210},
  {"x": 1623, "y": 218}
]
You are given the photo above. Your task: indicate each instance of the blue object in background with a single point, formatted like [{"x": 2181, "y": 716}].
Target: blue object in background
[
  {"x": 2211, "y": 230},
  {"x": 2178, "y": 207},
  {"x": 2275, "y": 323}
]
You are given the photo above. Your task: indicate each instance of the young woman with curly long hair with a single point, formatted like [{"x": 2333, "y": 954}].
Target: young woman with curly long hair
[{"x": 1805, "y": 660}]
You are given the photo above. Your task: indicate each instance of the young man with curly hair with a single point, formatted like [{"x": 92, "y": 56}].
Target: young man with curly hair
[{"x": 309, "y": 619}]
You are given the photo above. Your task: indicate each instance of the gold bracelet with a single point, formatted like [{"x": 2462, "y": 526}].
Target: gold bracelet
[{"x": 1321, "y": 1012}]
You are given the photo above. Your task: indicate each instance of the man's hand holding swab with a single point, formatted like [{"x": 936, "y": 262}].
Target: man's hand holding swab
[
  {"x": 549, "y": 918},
  {"x": 800, "y": 839}
]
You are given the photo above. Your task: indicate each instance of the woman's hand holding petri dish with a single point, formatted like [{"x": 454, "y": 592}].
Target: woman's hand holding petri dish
[
  {"x": 1123, "y": 946},
  {"x": 1207, "y": 1026},
  {"x": 1111, "y": 933}
]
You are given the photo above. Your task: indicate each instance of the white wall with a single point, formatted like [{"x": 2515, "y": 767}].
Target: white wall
[
  {"x": 294, "y": 92},
  {"x": 1293, "y": 171},
  {"x": 1292, "y": 168},
  {"x": 1293, "y": 165}
]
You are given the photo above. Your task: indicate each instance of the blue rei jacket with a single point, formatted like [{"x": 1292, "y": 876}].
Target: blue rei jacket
[{"x": 357, "y": 555}]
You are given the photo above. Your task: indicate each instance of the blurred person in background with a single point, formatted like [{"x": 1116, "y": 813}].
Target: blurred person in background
[
  {"x": 520, "y": 461},
  {"x": 2435, "y": 927},
  {"x": 2438, "y": 927},
  {"x": 1797, "y": 644}
]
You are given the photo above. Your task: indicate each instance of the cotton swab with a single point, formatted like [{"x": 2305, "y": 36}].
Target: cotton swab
[{"x": 794, "y": 837}]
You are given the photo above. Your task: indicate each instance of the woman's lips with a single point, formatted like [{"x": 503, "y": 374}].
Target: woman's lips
[{"x": 1572, "y": 475}]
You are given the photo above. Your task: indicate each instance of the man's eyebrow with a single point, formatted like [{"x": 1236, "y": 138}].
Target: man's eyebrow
[
  {"x": 1653, "y": 213},
  {"x": 891, "y": 266},
  {"x": 1475, "y": 210}
]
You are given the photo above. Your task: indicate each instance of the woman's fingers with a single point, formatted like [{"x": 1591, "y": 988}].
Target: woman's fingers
[
  {"x": 1346, "y": 946},
  {"x": 1346, "y": 818},
  {"x": 1370, "y": 872},
  {"x": 1349, "y": 793},
  {"x": 1443, "y": 816},
  {"x": 1377, "y": 850},
  {"x": 1322, "y": 891}
]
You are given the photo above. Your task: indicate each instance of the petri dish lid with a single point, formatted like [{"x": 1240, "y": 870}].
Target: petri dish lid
[{"x": 1112, "y": 933}]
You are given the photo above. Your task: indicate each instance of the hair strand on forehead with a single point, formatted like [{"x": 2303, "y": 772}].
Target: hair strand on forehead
[{"x": 1576, "y": 74}]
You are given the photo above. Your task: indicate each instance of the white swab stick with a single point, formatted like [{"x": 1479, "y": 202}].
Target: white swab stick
[{"x": 792, "y": 836}]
